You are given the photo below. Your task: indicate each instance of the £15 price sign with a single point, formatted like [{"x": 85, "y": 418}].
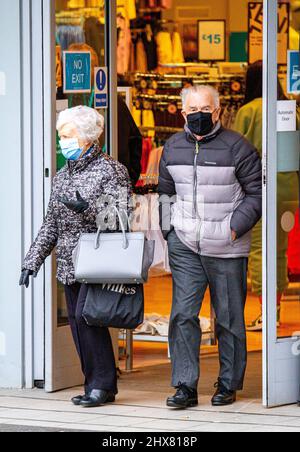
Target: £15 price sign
[{"x": 212, "y": 40}]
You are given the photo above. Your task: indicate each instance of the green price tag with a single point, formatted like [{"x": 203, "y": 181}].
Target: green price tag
[{"x": 213, "y": 38}]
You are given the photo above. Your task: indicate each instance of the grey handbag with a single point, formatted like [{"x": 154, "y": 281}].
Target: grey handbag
[{"x": 113, "y": 258}]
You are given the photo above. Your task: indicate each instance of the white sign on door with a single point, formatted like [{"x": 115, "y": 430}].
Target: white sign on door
[
  {"x": 2, "y": 84},
  {"x": 286, "y": 116}
]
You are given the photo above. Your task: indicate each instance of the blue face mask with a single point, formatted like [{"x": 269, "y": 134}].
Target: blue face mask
[{"x": 70, "y": 149}]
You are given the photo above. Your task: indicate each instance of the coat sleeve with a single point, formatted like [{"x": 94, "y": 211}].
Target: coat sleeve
[
  {"x": 116, "y": 192},
  {"x": 167, "y": 194},
  {"x": 45, "y": 241},
  {"x": 249, "y": 175}
]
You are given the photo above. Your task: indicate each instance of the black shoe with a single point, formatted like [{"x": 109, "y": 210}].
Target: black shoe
[
  {"x": 185, "y": 397},
  {"x": 78, "y": 399},
  {"x": 98, "y": 398},
  {"x": 223, "y": 396}
]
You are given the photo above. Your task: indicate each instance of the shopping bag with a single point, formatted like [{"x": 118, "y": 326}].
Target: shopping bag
[{"x": 114, "y": 306}]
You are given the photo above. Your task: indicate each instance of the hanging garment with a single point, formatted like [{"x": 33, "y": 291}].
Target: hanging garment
[
  {"x": 153, "y": 165},
  {"x": 294, "y": 39},
  {"x": 95, "y": 37},
  {"x": 127, "y": 9},
  {"x": 151, "y": 50},
  {"x": 141, "y": 57},
  {"x": 69, "y": 34},
  {"x": 178, "y": 56},
  {"x": 294, "y": 248},
  {"x": 74, "y": 4},
  {"x": 147, "y": 147},
  {"x": 124, "y": 44},
  {"x": 166, "y": 4},
  {"x": 164, "y": 47},
  {"x": 146, "y": 220}
]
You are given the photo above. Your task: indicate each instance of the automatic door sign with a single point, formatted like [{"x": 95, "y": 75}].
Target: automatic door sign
[
  {"x": 101, "y": 92},
  {"x": 293, "y": 77},
  {"x": 77, "y": 72}
]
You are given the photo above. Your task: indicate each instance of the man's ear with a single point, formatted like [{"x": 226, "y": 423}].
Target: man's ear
[{"x": 218, "y": 113}]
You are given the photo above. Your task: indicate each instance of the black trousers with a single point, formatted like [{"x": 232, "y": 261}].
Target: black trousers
[{"x": 93, "y": 344}]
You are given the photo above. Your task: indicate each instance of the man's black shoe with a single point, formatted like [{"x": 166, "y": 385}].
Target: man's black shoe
[
  {"x": 185, "y": 397},
  {"x": 223, "y": 396},
  {"x": 98, "y": 398}
]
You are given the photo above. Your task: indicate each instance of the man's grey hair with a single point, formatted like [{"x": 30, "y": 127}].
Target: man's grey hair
[{"x": 200, "y": 89}]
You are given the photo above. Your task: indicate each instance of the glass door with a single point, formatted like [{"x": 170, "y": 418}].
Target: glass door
[
  {"x": 281, "y": 143},
  {"x": 79, "y": 31}
]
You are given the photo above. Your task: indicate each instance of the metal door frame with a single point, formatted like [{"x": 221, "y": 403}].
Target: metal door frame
[
  {"x": 281, "y": 368},
  {"x": 53, "y": 380}
]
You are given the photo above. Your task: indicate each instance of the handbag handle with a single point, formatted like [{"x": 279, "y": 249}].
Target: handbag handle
[{"x": 125, "y": 239}]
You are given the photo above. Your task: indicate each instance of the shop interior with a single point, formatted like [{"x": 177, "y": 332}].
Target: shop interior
[{"x": 162, "y": 48}]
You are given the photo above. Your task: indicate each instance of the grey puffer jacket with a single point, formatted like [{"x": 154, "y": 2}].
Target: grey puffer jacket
[
  {"x": 216, "y": 187},
  {"x": 100, "y": 180}
]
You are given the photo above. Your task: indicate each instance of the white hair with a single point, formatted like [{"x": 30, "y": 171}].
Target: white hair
[
  {"x": 88, "y": 122},
  {"x": 199, "y": 89}
]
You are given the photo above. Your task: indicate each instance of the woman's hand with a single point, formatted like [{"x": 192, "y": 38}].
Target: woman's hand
[
  {"x": 78, "y": 206},
  {"x": 25, "y": 277}
]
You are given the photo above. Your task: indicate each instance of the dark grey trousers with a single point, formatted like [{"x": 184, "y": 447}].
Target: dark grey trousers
[{"x": 227, "y": 280}]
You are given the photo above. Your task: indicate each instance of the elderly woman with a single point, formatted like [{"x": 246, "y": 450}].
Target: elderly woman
[{"x": 79, "y": 196}]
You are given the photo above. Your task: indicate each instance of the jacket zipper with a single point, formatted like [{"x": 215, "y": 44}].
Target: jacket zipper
[{"x": 196, "y": 212}]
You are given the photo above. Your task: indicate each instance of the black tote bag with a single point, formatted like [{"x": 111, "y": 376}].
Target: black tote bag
[{"x": 114, "y": 306}]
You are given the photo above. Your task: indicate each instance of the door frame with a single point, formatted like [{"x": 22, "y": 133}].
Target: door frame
[{"x": 281, "y": 367}]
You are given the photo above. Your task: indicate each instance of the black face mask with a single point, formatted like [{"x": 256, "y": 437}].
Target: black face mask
[{"x": 200, "y": 123}]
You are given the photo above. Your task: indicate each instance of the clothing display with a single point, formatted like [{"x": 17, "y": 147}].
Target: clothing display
[
  {"x": 141, "y": 56},
  {"x": 166, "y": 4},
  {"x": 94, "y": 32},
  {"x": 178, "y": 56},
  {"x": 294, "y": 249},
  {"x": 146, "y": 219},
  {"x": 127, "y": 9},
  {"x": 124, "y": 45},
  {"x": 69, "y": 34},
  {"x": 164, "y": 47},
  {"x": 157, "y": 325}
]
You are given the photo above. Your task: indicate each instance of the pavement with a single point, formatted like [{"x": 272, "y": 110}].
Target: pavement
[{"x": 140, "y": 407}]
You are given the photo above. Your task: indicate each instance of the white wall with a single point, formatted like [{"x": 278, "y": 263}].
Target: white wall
[{"x": 11, "y": 196}]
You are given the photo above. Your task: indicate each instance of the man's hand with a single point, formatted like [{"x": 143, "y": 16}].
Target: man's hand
[
  {"x": 78, "y": 206},
  {"x": 25, "y": 277},
  {"x": 233, "y": 236}
]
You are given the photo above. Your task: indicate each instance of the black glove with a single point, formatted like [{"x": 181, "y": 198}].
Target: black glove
[
  {"x": 25, "y": 277},
  {"x": 78, "y": 206}
]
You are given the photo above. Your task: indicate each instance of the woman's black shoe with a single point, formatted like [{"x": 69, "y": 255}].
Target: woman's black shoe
[
  {"x": 223, "y": 396},
  {"x": 98, "y": 398},
  {"x": 78, "y": 399},
  {"x": 185, "y": 397}
]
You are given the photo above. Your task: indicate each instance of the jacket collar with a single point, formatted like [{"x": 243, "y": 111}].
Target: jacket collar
[
  {"x": 213, "y": 134},
  {"x": 84, "y": 161}
]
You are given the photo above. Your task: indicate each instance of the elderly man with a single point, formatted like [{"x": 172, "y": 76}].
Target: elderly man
[{"x": 211, "y": 189}]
